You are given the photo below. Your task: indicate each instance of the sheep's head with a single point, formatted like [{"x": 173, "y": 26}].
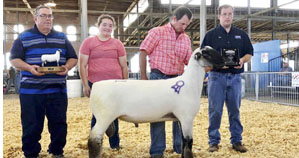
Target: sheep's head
[
  {"x": 210, "y": 55},
  {"x": 59, "y": 51}
]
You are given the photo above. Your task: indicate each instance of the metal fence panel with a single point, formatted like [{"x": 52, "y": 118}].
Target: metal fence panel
[
  {"x": 271, "y": 87},
  {"x": 264, "y": 86}
]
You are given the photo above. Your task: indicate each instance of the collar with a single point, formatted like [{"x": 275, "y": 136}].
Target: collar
[
  {"x": 35, "y": 30},
  {"x": 221, "y": 28},
  {"x": 171, "y": 29}
]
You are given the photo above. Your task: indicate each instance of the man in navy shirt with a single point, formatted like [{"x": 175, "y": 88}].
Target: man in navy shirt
[
  {"x": 42, "y": 94},
  {"x": 225, "y": 83}
]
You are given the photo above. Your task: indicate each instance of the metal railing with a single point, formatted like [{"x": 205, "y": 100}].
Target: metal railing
[
  {"x": 264, "y": 86},
  {"x": 134, "y": 76},
  {"x": 270, "y": 87}
]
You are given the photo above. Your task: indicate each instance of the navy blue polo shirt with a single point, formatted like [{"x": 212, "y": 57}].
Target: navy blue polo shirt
[
  {"x": 29, "y": 47},
  {"x": 218, "y": 38}
]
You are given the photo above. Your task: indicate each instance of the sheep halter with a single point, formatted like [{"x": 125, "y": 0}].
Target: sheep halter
[{"x": 178, "y": 85}]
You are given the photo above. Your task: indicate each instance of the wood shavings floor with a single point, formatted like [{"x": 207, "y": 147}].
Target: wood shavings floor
[{"x": 270, "y": 130}]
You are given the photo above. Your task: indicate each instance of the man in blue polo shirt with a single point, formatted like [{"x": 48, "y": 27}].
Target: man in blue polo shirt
[
  {"x": 42, "y": 94},
  {"x": 225, "y": 84}
]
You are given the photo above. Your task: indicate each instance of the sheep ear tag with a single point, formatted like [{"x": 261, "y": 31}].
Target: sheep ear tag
[
  {"x": 50, "y": 63},
  {"x": 178, "y": 85}
]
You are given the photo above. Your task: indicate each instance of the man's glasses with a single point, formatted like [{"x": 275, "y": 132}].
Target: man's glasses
[
  {"x": 45, "y": 16},
  {"x": 227, "y": 14}
]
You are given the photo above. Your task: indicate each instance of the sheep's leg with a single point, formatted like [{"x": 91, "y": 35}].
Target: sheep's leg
[
  {"x": 187, "y": 127},
  {"x": 95, "y": 147},
  {"x": 95, "y": 142},
  {"x": 57, "y": 62},
  {"x": 187, "y": 148}
]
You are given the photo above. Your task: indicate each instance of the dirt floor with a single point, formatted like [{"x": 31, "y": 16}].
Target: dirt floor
[{"x": 270, "y": 130}]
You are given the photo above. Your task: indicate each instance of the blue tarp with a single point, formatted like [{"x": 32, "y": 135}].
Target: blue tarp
[{"x": 263, "y": 52}]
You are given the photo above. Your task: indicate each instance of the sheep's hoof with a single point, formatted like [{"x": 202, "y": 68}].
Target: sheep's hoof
[
  {"x": 187, "y": 153},
  {"x": 111, "y": 130},
  {"x": 95, "y": 147},
  {"x": 136, "y": 125}
]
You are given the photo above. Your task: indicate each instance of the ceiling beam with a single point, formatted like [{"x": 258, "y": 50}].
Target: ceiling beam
[
  {"x": 136, "y": 29},
  {"x": 163, "y": 15},
  {"x": 31, "y": 10},
  {"x": 106, "y": 4},
  {"x": 28, "y": 6},
  {"x": 195, "y": 16},
  {"x": 130, "y": 8},
  {"x": 263, "y": 11},
  {"x": 255, "y": 26}
]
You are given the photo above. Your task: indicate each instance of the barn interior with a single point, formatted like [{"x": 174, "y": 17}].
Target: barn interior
[
  {"x": 262, "y": 20},
  {"x": 269, "y": 112}
]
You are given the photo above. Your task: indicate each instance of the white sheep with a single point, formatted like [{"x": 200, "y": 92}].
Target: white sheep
[
  {"x": 51, "y": 57},
  {"x": 141, "y": 101}
]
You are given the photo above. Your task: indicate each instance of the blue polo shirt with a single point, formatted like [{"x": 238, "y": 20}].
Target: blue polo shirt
[
  {"x": 29, "y": 47},
  {"x": 218, "y": 38}
]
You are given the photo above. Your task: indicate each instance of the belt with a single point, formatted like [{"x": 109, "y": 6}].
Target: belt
[{"x": 159, "y": 72}]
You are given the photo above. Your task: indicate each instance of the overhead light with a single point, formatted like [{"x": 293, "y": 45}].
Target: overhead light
[{"x": 51, "y": 3}]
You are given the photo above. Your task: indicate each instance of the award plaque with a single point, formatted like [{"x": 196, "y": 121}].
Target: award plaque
[
  {"x": 50, "y": 58},
  {"x": 231, "y": 57},
  {"x": 51, "y": 69}
]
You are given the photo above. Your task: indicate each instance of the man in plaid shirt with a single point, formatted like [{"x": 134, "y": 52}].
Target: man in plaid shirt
[{"x": 169, "y": 49}]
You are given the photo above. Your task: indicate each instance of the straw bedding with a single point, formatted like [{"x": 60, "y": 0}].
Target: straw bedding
[{"x": 270, "y": 130}]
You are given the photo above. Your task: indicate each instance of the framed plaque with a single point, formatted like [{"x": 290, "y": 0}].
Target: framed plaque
[{"x": 231, "y": 57}]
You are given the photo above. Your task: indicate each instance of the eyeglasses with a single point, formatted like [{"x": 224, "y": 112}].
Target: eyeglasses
[
  {"x": 45, "y": 16},
  {"x": 225, "y": 14}
]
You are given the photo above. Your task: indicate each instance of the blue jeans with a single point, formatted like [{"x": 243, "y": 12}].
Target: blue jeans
[
  {"x": 158, "y": 143},
  {"x": 34, "y": 108},
  {"x": 114, "y": 140},
  {"x": 224, "y": 87}
]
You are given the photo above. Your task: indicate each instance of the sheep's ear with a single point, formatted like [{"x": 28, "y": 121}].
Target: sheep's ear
[{"x": 197, "y": 56}]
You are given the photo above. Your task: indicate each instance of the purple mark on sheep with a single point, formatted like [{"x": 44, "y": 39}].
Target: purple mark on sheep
[{"x": 178, "y": 85}]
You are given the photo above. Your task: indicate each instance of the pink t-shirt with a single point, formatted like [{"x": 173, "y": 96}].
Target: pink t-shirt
[{"x": 103, "y": 62}]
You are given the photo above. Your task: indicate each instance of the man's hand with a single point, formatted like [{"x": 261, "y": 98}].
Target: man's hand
[
  {"x": 241, "y": 62},
  {"x": 33, "y": 70},
  {"x": 207, "y": 69},
  {"x": 225, "y": 67},
  {"x": 66, "y": 70}
]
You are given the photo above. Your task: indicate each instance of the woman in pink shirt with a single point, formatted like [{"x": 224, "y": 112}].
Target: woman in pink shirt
[{"x": 102, "y": 58}]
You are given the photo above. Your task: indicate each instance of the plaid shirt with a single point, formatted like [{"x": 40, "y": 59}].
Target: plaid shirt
[{"x": 166, "y": 52}]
